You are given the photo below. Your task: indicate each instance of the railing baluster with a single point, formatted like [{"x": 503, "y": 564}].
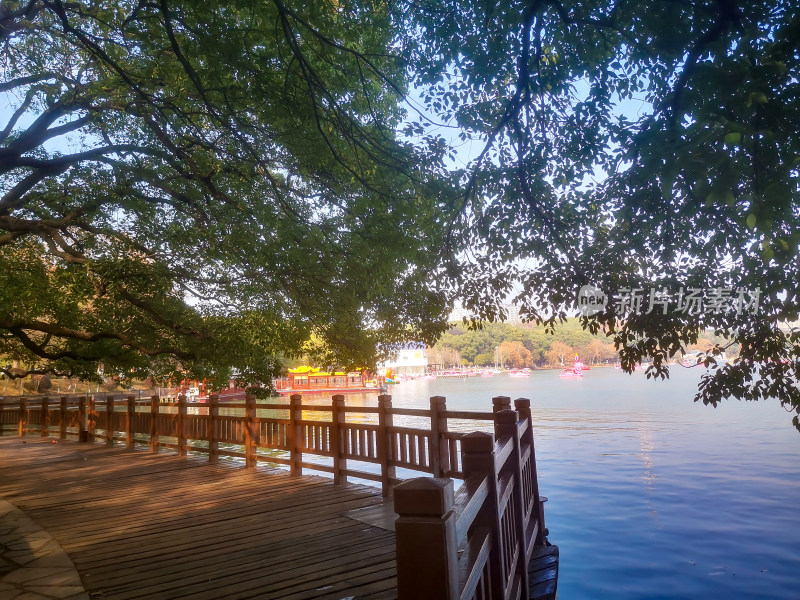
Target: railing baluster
[
  {"x": 155, "y": 405},
  {"x": 385, "y": 422},
  {"x": 45, "y": 416},
  {"x": 23, "y": 415},
  {"x": 130, "y": 425},
  {"x": 251, "y": 431},
  {"x": 91, "y": 419},
  {"x": 295, "y": 435},
  {"x": 338, "y": 416},
  {"x": 211, "y": 428},
  {"x": 62, "y": 424},
  {"x": 439, "y": 447},
  {"x": 83, "y": 420},
  {"x": 180, "y": 425}
]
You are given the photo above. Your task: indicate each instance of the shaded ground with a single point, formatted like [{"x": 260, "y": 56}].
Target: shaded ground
[{"x": 138, "y": 525}]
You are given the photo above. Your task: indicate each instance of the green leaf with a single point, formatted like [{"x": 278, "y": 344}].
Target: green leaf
[{"x": 733, "y": 138}]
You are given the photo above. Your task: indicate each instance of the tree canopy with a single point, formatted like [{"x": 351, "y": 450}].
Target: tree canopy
[
  {"x": 648, "y": 151},
  {"x": 198, "y": 187}
]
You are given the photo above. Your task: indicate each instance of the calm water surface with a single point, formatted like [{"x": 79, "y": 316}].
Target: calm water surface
[{"x": 651, "y": 495}]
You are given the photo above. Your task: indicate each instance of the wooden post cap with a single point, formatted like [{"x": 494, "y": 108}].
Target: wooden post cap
[
  {"x": 477, "y": 441},
  {"x": 522, "y": 403},
  {"x": 385, "y": 400},
  {"x": 506, "y": 416},
  {"x": 338, "y": 399},
  {"x": 501, "y": 403},
  {"x": 424, "y": 496},
  {"x": 438, "y": 400}
]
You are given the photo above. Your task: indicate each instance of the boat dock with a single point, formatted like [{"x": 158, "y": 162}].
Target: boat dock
[{"x": 138, "y": 523}]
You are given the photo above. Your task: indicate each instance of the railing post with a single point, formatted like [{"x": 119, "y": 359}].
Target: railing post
[
  {"x": 91, "y": 419},
  {"x": 83, "y": 420},
  {"x": 62, "y": 423},
  {"x": 440, "y": 446},
  {"x": 155, "y": 403},
  {"x": 506, "y": 424},
  {"x": 478, "y": 458},
  {"x": 386, "y": 443},
  {"x": 130, "y": 423},
  {"x": 500, "y": 403},
  {"x": 23, "y": 415},
  {"x": 109, "y": 420},
  {"x": 45, "y": 418},
  {"x": 295, "y": 435},
  {"x": 427, "y": 553},
  {"x": 338, "y": 417},
  {"x": 211, "y": 428},
  {"x": 250, "y": 431},
  {"x": 179, "y": 422},
  {"x": 523, "y": 406}
]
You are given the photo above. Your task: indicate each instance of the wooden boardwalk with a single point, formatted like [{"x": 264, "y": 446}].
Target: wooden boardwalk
[{"x": 167, "y": 527}]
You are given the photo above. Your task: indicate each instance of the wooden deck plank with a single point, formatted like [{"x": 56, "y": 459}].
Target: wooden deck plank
[
  {"x": 143, "y": 525},
  {"x": 299, "y": 553}
]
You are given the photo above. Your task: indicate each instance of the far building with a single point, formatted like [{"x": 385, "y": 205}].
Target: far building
[{"x": 410, "y": 360}]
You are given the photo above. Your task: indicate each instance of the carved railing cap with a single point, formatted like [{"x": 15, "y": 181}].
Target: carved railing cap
[
  {"x": 522, "y": 402},
  {"x": 385, "y": 399},
  {"x": 424, "y": 496},
  {"x": 506, "y": 416},
  {"x": 438, "y": 399},
  {"x": 477, "y": 441}
]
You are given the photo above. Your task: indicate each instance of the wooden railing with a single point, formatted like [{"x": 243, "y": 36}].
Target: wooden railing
[
  {"x": 473, "y": 544},
  {"x": 298, "y": 433},
  {"x": 477, "y": 543}
]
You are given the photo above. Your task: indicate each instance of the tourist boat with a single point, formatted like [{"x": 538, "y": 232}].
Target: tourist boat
[
  {"x": 575, "y": 372},
  {"x": 452, "y": 374},
  {"x": 522, "y": 373},
  {"x": 312, "y": 380},
  {"x": 571, "y": 374}
]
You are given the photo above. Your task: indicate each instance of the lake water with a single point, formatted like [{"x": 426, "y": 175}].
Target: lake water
[{"x": 651, "y": 495}]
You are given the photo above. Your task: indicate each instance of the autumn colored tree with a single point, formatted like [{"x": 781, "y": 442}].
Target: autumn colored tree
[
  {"x": 515, "y": 355},
  {"x": 560, "y": 354}
]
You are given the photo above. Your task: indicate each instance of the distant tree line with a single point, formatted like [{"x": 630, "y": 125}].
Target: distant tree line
[{"x": 528, "y": 345}]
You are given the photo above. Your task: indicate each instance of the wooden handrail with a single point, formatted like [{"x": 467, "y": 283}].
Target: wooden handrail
[
  {"x": 478, "y": 543},
  {"x": 302, "y": 429}
]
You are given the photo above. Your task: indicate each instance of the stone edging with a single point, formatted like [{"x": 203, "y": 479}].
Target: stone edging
[{"x": 33, "y": 566}]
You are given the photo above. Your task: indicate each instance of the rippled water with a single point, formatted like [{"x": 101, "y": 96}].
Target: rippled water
[{"x": 651, "y": 495}]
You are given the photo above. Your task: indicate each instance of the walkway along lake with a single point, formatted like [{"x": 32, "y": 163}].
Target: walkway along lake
[{"x": 652, "y": 495}]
